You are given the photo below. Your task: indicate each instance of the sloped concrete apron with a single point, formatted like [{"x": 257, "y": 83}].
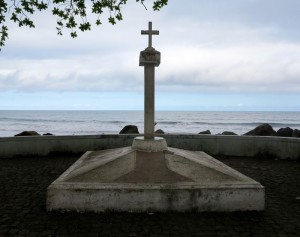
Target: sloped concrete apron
[{"x": 125, "y": 179}]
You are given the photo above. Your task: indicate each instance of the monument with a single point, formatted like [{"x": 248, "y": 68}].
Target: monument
[
  {"x": 149, "y": 59},
  {"x": 149, "y": 176}
]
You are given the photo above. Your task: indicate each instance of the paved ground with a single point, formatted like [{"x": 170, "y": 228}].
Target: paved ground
[{"x": 24, "y": 181}]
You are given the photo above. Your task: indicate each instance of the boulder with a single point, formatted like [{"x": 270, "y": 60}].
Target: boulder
[
  {"x": 205, "y": 132},
  {"x": 130, "y": 129},
  {"x": 159, "y": 131},
  {"x": 285, "y": 132},
  {"x": 228, "y": 133},
  {"x": 28, "y": 133},
  {"x": 262, "y": 130},
  {"x": 296, "y": 133},
  {"x": 48, "y": 134}
]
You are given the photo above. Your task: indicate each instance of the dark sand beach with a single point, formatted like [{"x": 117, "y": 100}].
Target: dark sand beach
[{"x": 23, "y": 210}]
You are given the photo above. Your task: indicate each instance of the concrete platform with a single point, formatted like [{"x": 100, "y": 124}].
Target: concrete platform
[
  {"x": 155, "y": 145},
  {"x": 128, "y": 180}
]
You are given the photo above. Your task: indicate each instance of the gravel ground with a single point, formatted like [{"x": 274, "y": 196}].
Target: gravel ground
[{"x": 23, "y": 211}]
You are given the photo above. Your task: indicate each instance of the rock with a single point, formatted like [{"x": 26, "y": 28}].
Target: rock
[
  {"x": 296, "y": 133},
  {"x": 205, "y": 132},
  {"x": 285, "y": 132},
  {"x": 262, "y": 130},
  {"x": 48, "y": 134},
  {"x": 159, "y": 131},
  {"x": 228, "y": 133},
  {"x": 28, "y": 133},
  {"x": 130, "y": 129}
]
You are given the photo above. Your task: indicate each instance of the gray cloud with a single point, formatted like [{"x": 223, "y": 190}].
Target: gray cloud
[{"x": 238, "y": 46}]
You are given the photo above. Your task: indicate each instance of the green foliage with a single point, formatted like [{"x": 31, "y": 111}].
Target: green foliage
[
  {"x": 71, "y": 14},
  {"x": 4, "y": 30}
]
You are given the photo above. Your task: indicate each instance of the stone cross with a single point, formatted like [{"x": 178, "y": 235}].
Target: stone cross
[
  {"x": 150, "y": 32},
  {"x": 149, "y": 58}
]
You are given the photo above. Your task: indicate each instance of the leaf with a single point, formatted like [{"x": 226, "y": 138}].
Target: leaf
[
  {"x": 112, "y": 20},
  {"x": 119, "y": 17},
  {"x": 85, "y": 26},
  {"x": 157, "y": 5},
  {"x": 73, "y": 34},
  {"x": 98, "y": 22}
]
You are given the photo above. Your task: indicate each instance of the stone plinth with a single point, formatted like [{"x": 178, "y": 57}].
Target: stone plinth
[
  {"x": 149, "y": 56},
  {"x": 128, "y": 180},
  {"x": 155, "y": 145}
]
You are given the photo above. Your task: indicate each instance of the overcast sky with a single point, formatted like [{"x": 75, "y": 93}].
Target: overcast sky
[{"x": 215, "y": 55}]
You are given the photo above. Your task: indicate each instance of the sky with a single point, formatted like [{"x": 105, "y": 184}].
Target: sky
[{"x": 216, "y": 55}]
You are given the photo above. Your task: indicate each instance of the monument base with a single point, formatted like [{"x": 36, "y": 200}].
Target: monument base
[
  {"x": 130, "y": 180},
  {"x": 150, "y": 145}
]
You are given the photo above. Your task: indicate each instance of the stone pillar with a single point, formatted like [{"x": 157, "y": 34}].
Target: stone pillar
[
  {"x": 149, "y": 103},
  {"x": 149, "y": 58}
]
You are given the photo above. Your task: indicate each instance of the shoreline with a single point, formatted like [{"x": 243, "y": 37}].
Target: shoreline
[{"x": 261, "y": 130}]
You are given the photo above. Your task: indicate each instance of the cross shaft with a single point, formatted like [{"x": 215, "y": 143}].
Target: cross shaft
[{"x": 150, "y": 32}]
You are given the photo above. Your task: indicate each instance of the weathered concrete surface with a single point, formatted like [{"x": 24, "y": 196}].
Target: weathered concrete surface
[
  {"x": 149, "y": 145},
  {"x": 244, "y": 146},
  {"x": 124, "y": 179},
  {"x": 45, "y": 145}
]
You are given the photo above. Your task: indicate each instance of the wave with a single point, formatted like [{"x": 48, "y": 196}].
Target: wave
[
  {"x": 114, "y": 122},
  {"x": 170, "y": 123},
  {"x": 42, "y": 120},
  {"x": 166, "y": 123},
  {"x": 246, "y": 124}
]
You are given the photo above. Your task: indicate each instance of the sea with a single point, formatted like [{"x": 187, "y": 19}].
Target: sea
[{"x": 111, "y": 122}]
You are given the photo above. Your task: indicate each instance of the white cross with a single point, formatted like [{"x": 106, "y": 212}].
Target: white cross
[{"x": 150, "y": 32}]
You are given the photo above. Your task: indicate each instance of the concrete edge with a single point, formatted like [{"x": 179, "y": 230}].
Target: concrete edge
[
  {"x": 246, "y": 146},
  {"x": 179, "y": 200}
]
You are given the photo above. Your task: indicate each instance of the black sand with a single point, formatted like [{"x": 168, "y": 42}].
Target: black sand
[{"x": 24, "y": 181}]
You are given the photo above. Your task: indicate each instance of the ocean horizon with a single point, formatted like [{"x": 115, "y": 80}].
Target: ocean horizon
[{"x": 91, "y": 122}]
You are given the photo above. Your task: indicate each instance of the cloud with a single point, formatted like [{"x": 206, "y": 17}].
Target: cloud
[
  {"x": 261, "y": 67},
  {"x": 257, "y": 68},
  {"x": 72, "y": 74},
  {"x": 232, "y": 46}
]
